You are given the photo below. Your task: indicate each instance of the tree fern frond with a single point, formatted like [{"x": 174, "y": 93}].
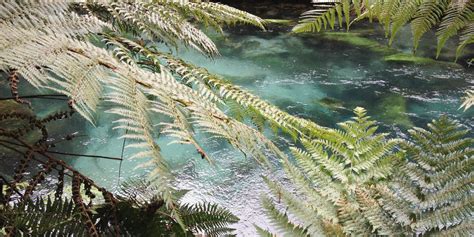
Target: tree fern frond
[
  {"x": 325, "y": 14},
  {"x": 374, "y": 213},
  {"x": 320, "y": 198},
  {"x": 331, "y": 174},
  {"x": 464, "y": 229},
  {"x": 167, "y": 20},
  {"x": 398, "y": 208},
  {"x": 42, "y": 217},
  {"x": 207, "y": 218},
  {"x": 456, "y": 18},
  {"x": 304, "y": 212},
  {"x": 387, "y": 11},
  {"x": 217, "y": 89},
  {"x": 132, "y": 105},
  {"x": 445, "y": 218},
  {"x": 466, "y": 38},
  {"x": 441, "y": 191},
  {"x": 349, "y": 214},
  {"x": 281, "y": 220},
  {"x": 264, "y": 233},
  {"x": 215, "y": 14},
  {"x": 468, "y": 100}
]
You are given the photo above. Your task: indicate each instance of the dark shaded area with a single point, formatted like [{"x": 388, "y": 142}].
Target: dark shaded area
[{"x": 272, "y": 8}]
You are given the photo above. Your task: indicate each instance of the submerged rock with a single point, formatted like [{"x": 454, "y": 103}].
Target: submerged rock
[
  {"x": 357, "y": 39},
  {"x": 244, "y": 80},
  {"x": 331, "y": 103},
  {"x": 264, "y": 51},
  {"x": 393, "y": 110}
]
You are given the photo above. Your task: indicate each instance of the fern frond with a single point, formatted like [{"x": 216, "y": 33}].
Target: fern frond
[
  {"x": 466, "y": 38},
  {"x": 319, "y": 18},
  {"x": 456, "y": 18},
  {"x": 333, "y": 175},
  {"x": 374, "y": 213},
  {"x": 54, "y": 53},
  {"x": 264, "y": 233},
  {"x": 42, "y": 217},
  {"x": 215, "y": 14},
  {"x": 428, "y": 14},
  {"x": 350, "y": 219},
  {"x": 320, "y": 198},
  {"x": 168, "y": 20},
  {"x": 281, "y": 221},
  {"x": 304, "y": 212},
  {"x": 463, "y": 229},
  {"x": 401, "y": 17},
  {"x": 132, "y": 106},
  {"x": 438, "y": 176},
  {"x": 468, "y": 100},
  {"x": 208, "y": 218}
]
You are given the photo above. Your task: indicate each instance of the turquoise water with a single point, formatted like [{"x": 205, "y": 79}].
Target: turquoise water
[{"x": 311, "y": 77}]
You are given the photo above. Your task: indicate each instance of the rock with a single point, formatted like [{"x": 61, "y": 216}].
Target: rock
[
  {"x": 331, "y": 103},
  {"x": 250, "y": 45},
  {"x": 272, "y": 12},
  {"x": 392, "y": 110}
]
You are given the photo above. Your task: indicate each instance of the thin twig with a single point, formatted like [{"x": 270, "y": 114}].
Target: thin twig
[
  {"x": 65, "y": 153},
  {"x": 49, "y": 97},
  {"x": 121, "y": 157}
]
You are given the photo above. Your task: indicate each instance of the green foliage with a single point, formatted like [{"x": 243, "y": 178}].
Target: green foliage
[
  {"x": 42, "y": 217},
  {"x": 334, "y": 176},
  {"x": 434, "y": 186},
  {"x": 208, "y": 218},
  {"x": 354, "y": 182}
]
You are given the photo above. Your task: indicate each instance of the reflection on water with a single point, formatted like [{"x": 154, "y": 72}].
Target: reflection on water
[{"x": 310, "y": 77}]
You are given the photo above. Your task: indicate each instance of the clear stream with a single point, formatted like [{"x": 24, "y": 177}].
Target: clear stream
[{"x": 313, "y": 77}]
